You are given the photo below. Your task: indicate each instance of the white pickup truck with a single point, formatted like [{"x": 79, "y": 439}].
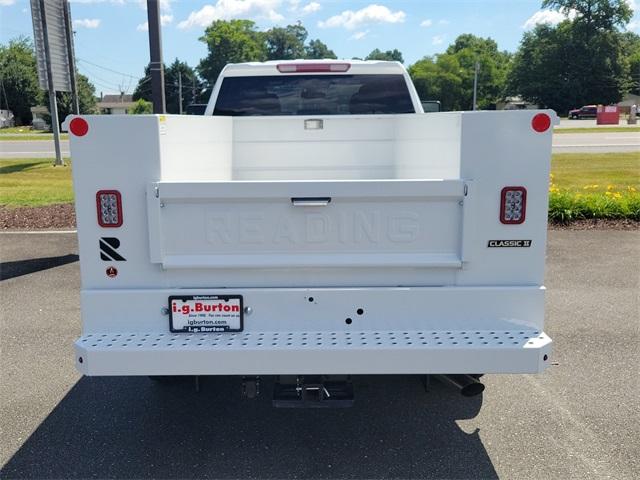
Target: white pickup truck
[{"x": 313, "y": 224}]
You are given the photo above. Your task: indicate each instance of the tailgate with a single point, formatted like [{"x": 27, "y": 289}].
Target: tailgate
[{"x": 291, "y": 224}]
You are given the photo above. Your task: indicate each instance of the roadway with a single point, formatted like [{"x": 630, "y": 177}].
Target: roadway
[
  {"x": 578, "y": 420},
  {"x": 600, "y": 142},
  {"x": 565, "y": 143},
  {"x": 31, "y": 148}
]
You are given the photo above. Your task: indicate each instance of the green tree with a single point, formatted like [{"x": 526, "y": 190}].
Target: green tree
[
  {"x": 19, "y": 79},
  {"x": 230, "y": 41},
  {"x": 594, "y": 14},
  {"x": 448, "y": 77},
  {"x": 391, "y": 55},
  {"x": 494, "y": 66},
  {"x": 64, "y": 100},
  {"x": 142, "y": 107},
  {"x": 631, "y": 48},
  {"x": 191, "y": 86},
  {"x": 286, "y": 43},
  {"x": 86, "y": 98},
  {"x": 440, "y": 78},
  {"x": 581, "y": 60},
  {"x": 556, "y": 67},
  {"x": 316, "y": 49}
]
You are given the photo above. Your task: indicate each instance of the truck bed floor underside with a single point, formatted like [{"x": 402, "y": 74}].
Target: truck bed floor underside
[{"x": 313, "y": 352}]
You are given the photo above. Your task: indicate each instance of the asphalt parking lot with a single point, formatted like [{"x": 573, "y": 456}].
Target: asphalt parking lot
[{"x": 578, "y": 420}]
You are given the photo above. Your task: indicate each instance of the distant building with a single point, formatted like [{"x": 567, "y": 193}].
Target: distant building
[
  {"x": 6, "y": 119},
  {"x": 629, "y": 99},
  {"x": 515, "y": 103},
  {"x": 115, "y": 104},
  {"x": 40, "y": 115}
]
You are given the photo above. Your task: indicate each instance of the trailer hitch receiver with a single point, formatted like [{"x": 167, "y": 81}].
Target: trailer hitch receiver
[{"x": 313, "y": 391}]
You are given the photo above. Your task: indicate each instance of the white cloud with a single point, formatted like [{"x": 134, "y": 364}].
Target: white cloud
[
  {"x": 310, "y": 8},
  {"x": 426, "y": 23},
  {"x": 6, "y": 3},
  {"x": 443, "y": 22},
  {"x": 367, "y": 15},
  {"x": 164, "y": 20},
  {"x": 547, "y": 17},
  {"x": 437, "y": 40},
  {"x": 227, "y": 9},
  {"x": 633, "y": 24},
  {"x": 359, "y": 35},
  {"x": 87, "y": 22}
]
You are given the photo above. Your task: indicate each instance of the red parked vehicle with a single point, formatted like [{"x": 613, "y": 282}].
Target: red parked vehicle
[{"x": 588, "y": 111}]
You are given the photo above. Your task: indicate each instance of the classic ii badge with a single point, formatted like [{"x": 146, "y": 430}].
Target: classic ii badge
[{"x": 509, "y": 243}]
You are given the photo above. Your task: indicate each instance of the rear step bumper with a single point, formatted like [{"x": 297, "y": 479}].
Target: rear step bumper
[{"x": 323, "y": 352}]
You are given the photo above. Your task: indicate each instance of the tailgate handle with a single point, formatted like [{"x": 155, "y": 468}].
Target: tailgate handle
[{"x": 310, "y": 201}]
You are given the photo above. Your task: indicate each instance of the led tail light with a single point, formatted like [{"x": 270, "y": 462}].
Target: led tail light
[
  {"x": 313, "y": 67},
  {"x": 513, "y": 205},
  {"x": 109, "y": 205}
]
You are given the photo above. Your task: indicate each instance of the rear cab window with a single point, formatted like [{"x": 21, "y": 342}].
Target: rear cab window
[{"x": 308, "y": 94}]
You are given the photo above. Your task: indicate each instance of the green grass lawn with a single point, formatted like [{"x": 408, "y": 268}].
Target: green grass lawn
[
  {"x": 34, "y": 182},
  {"x": 23, "y": 129},
  {"x": 595, "y": 130},
  {"x": 26, "y": 133},
  {"x": 574, "y": 171},
  {"x": 35, "y": 136}
]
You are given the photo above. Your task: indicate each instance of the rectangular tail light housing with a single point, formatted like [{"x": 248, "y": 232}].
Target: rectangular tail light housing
[
  {"x": 513, "y": 205},
  {"x": 109, "y": 205}
]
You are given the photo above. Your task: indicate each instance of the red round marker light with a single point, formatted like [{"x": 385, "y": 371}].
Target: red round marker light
[
  {"x": 79, "y": 127},
  {"x": 541, "y": 122}
]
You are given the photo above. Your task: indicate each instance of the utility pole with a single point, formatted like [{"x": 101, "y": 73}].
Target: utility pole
[
  {"x": 156, "y": 67},
  {"x": 53, "y": 105},
  {"x": 180, "y": 92},
  {"x": 475, "y": 86},
  {"x": 72, "y": 58},
  {"x": 193, "y": 89}
]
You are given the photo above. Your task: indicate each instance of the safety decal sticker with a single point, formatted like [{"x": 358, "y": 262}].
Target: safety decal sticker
[{"x": 108, "y": 247}]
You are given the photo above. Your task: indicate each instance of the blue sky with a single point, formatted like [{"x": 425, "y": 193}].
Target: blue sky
[{"x": 112, "y": 42}]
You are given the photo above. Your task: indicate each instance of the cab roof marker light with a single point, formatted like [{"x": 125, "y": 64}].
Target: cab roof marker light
[
  {"x": 109, "y": 206},
  {"x": 313, "y": 67},
  {"x": 513, "y": 205}
]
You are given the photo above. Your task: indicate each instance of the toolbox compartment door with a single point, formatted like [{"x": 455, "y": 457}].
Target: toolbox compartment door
[{"x": 312, "y": 224}]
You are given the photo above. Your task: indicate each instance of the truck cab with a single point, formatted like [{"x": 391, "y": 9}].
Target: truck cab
[{"x": 314, "y": 87}]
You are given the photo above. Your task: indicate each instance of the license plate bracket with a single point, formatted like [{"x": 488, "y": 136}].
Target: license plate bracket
[{"x": 205, "y": 313}]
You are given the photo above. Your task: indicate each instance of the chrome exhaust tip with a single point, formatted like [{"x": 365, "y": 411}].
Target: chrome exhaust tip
[{"x": 468, "y": 385}]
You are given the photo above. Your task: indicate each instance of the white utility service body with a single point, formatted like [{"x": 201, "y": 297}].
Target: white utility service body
[{"x": 335, "y": 244}]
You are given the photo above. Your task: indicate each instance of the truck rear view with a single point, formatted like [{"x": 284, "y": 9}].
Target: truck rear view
[{"x": 315, "y": 223}]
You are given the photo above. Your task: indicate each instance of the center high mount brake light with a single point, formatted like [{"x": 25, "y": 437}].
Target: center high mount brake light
[{"x": 313, "y": 67}]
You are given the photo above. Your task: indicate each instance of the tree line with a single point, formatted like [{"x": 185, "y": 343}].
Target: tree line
[{"x": 588, "y": 58}]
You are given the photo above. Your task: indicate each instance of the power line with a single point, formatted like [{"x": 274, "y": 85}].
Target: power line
[
  {"x": 135, "y": 77},
  {"x": 93, "y": 75}
]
